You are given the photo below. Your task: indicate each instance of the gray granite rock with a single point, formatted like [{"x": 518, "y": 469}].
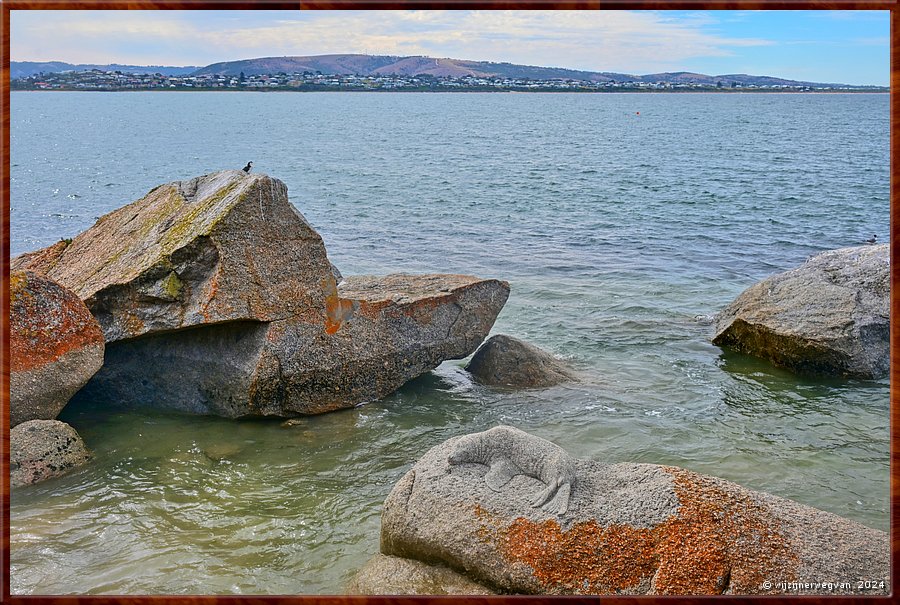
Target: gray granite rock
[
  {"x": 43, "y": 449},
  {"x": 384, "y": 575},
  {"x": 388, "y": 330},
  {"x": 628, "y": 529},
  {"x": 827, "y": 317},
  {"x": 226, "y": 246},
  {"x": 215, "y": 296},
  {"x": 55, "y": 347},
  {"x": 506, "y": 361}
]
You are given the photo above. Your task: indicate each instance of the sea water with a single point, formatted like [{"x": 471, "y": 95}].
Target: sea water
[{"x": 622, "y": 222}]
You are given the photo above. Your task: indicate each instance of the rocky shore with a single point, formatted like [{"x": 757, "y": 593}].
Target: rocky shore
[{"x": 215, "y": 296}]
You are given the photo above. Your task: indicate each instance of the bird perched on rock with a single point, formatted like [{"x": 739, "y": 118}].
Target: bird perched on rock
[
  {"x": 872, "y": 240},
  {"x": 247, "y": 167}
]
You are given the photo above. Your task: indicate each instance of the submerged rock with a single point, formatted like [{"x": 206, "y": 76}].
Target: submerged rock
[
  {"x": 55, "y": 347},
  {"x": 43, "y": 449},
  {"x": 828, "y": 316},
  {"x": 384, "y": 575},
  {"x": 506, "y": 361},
  {"x": 217, "y": 297},
  {"x": 627, "y": 529}
]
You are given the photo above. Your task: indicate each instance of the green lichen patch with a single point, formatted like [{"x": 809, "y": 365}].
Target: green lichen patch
[{"x": 172, "y": 285}]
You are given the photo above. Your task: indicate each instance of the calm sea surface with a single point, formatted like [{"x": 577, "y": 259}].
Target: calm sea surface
[{"x": 620, "y": 233}]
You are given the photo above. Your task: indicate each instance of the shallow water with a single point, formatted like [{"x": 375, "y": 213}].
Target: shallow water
[{"x": 619, "y": 233}]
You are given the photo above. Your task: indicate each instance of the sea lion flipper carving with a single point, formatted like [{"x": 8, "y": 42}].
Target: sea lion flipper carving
[
  {"x": 555, "y": 499},
  {"x": 502, "y": 471}
]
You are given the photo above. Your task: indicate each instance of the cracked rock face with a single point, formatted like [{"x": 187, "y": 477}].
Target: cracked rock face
[
  {"x": 55, "y": 347},
  {"x": 217, "y": 297},
  {"x": 829, "y": 316},
  {"x": 628, "y": 529}
]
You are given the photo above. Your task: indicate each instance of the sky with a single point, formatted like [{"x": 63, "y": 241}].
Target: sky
[{"x": 845, "y": 47}]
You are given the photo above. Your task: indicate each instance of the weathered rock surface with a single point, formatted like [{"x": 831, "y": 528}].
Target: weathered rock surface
[
  {"x": 506, "y": 361},
  {"x": 387, "y": 330},
  {"x": 227, "y": 246},
  {"x": 215, "y": 296},
  {"x": 55, "y": 346},
  {"x": 384, "y": 575},
  {"x": 828, "y": 316},
  {"x": 628, "y": 529},
  {"x": 43, "y": 449}
]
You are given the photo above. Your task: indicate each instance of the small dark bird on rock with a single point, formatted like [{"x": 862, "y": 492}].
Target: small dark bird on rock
[
  {"x": 872, "y": 240},
  {"x": 247, "y": 167}
]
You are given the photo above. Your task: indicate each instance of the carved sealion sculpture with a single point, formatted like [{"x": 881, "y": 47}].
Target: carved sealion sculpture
[{"x": 510, "y": 452}]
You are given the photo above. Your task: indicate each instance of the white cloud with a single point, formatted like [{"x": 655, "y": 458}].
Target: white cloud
[{"x": 631, "y": 41}]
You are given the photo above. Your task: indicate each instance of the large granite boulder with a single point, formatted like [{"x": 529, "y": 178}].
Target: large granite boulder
[
  {"x": 43, "y": 449},
  {"x": 217, "y": 297},
  {"x": 516, "y": 514},
  {"x": 506, "y": 361},
  {"x": 829, "y": 316},
  {"x": 389, "y": 330},
  {"x": 55, "y": 346},
  {"x": 223, "y": 247}
]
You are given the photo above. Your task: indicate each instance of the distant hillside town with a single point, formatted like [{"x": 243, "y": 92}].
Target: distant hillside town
[
  {"x": 100, "y": 80},
  {"x": 383, "y": 72}
]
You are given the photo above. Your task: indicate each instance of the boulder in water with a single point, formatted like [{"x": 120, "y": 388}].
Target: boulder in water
[
  {"x": 43, "y": 449},
  {"x": 506, "y": 361},
  {"x": 829, "y": 316},
  {"x": 217, "y": 297},
  {"x": 55, "y": 346}
]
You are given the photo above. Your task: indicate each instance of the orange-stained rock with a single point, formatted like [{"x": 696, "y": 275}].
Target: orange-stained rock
[
  {"x": 55, "y": 346},
  {"x": 629, "y": 529}
]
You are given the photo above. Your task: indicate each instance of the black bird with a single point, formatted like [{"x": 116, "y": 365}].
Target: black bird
[
  {"x": 873, "y": 240},
  {"x": 247, "y": 167}
]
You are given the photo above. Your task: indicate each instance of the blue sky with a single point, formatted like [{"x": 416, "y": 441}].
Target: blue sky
[{"x": 849, "y": 47}]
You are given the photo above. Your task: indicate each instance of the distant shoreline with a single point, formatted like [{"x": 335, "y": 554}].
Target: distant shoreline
[{"x": 458, "y": 91}]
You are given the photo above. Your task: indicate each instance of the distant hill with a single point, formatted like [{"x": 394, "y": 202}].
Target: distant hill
[
  {"x": 372, "y": 65},
  {"x": 24, "y": 69}
]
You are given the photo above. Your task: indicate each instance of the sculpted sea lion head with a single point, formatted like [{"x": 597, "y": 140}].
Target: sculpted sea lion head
[{"x": 463, "y": 451}]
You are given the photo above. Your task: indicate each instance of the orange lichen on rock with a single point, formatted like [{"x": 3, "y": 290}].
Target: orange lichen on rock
[
  {"x": 337, "y": 310},
  {"x": 719, "y": 541},
  {"x": 587, "y": 559},
  {"x": 720, "y": 537},
  {"x": 46, "y": 321}
]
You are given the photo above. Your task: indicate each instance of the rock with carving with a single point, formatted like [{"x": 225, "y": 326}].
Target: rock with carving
[
  {"x": 628, "y": 529},
  {"x": 55, "y": 347}
]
